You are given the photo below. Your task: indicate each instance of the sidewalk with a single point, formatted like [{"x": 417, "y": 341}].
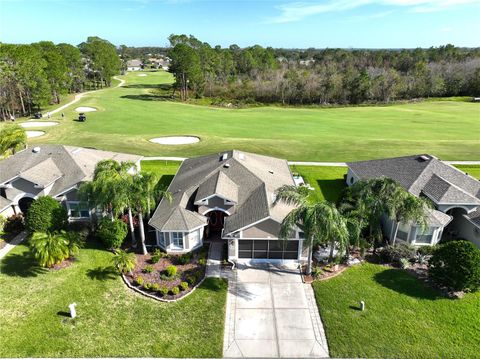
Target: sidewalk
[{"x": 19, "y": 238}]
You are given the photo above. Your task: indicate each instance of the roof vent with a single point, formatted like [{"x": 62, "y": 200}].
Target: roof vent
[
  {"x": 271, "y": 172},
  {"x": 225, "y": 156},
  {"x": 36, "y": 149},
  {"x": 226, "y": 165},
  {"x": 423, "y": 158}
]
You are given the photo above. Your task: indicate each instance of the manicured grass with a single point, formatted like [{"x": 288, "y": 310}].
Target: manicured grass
[
  {"x": 327, "y": 181},
  {"x": 403, "y": 317},
  {"x": 112, "y": 320},
  {"x": 472, "y": 170},
  {"x": 128, "y": 116}
]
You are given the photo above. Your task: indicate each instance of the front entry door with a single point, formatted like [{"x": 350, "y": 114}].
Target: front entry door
[{"x": 215, "y": 221}]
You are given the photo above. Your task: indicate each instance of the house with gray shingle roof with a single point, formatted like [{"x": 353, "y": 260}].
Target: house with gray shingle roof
[
  {"x": 52, "y": 170},
  {"x": 455, "y": 195},
  {"x": 228, "y": 196}
]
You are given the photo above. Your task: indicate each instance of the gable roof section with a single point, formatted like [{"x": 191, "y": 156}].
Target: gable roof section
[
  {"x": 181, "y": 219},
  {"x": 42, "y": 174},
  {"x": 218, "y": 184},
  {"x": 443, "y": 192}
]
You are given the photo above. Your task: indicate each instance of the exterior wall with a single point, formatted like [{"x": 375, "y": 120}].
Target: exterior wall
[
  {"x": 190, "y": 241},
  {"x": 267, "y": 229},
  {"x": 351, "y": 177},
  {"x": 468, "y": 230},
  {"x": 216, "y": 202},
  {"x": 388, "y": 227}
]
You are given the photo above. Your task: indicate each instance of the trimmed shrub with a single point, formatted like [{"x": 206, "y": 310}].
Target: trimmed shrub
[
  {"x": 404, "y": 263},
  {"x": 155, "y": 287},
  {"x": 148, "y": 269},
  {"x": 112, "y": 234},
  {"x": 202, "y": 261},
  {"x": 139, "y": 280},
  {"x": 156, "y": 256},
  {"x": 147, "y": 286},
  {"x": 175, "y": 290},
  {"x": 456, "y": 265},
  {"x": 184, "y": 258},
  {"x": 393, "y": 254},
  {"x": 163, "y": 291},
  {"x": 14, "y": 224},
  {"x": 46, "y": 215},
  {"x": 426, "y": 250},
  {"x": 171, "y": 271},
  {"x": 183, "y": 286},
  {"x": 317, "y": 272}
]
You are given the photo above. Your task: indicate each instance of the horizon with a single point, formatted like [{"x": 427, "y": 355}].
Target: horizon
[{"x": 356, "y": 24}]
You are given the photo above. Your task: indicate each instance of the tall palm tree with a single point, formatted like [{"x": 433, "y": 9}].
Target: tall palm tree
[
  {"x": 142, "y": 193},
  {"x": 12, "y": 138},
  {"x": 321, "y": 222},
  {"x": 411, "y": 209}
]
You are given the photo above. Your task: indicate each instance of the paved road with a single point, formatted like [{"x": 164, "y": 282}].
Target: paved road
[{"x": 271, "y": 314}]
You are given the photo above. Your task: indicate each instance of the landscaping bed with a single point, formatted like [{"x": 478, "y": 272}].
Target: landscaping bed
[{"x": 168, "y": 276}]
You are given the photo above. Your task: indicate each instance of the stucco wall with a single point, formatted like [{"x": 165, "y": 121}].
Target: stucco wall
[
  {"x": 266, "y": 229},
  {"x": 468, "y": 230}
]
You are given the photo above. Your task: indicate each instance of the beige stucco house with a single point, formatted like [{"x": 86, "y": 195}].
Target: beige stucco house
[{"x": 228, "y": 197}]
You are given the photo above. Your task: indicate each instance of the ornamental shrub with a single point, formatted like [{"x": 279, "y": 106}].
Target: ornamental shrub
[
  {"x": 46, "y": 215},
  {"x": 171, "y": 271},
  {"x": 3, "y": 220},
  {"x": 148, "y": 269},
  {"x": 393, "y": 254},
  {"x": 184, "y": 258},
  {"x": 175, "y": 290},
  {"x": 183, "y": 286},
  {"x": 163, "y": 291},
  {"x": 14, "y": 224},
  {"x": 155, "y": 287},
  {"x": 190, "y": 280},
  {"x": 202, "y": 261},
  {"x": 157, "y": 255},
  {"x": 147, "y": 286},
  {"x": 111, "y": 233},
  {"x": 139, "y": 280},
  {"x": 456, "y": 265}
]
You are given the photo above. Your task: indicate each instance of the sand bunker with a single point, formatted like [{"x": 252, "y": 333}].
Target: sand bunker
[
  {"x": 175, "y": 140},
  {"x": 85, "y": 109},
  {"x": 31, "y": 134},
  {"x": 142, "y": 75},
  {"x": 38, "y": 124}
]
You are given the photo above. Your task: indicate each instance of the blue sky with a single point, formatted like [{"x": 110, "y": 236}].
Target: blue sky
[{"x": 291, "y": 24}]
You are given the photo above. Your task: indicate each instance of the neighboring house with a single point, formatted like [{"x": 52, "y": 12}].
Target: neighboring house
[
  {"x": 228, "y": 196},
  {"x": 134, "y": 65},
  {"x": 456, "y": 196},
  {"x": 52, "y": 170}
]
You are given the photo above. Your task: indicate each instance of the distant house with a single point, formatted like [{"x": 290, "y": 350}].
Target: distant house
[
  {"x": 456, "y": 196},
  {"x": 134, "y": 65},
  {"x": 228, "y": 197},
  {"x": 52, "y": 170}
]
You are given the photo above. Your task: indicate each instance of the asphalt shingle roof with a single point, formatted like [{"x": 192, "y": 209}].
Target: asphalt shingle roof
[{"x": 255, "y": 177}]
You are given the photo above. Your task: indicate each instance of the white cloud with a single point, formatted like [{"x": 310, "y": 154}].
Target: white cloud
[{"x": 297, "y": 11}]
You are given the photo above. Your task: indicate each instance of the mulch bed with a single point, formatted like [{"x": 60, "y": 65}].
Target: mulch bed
[
  {"x": 192, "y": 270},
  {"x": 66, "y": 263}
]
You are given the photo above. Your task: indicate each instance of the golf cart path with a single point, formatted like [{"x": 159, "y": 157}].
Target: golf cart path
[
  {"x": 79, "y": 96},
  {"x": 301, "y": 163}
]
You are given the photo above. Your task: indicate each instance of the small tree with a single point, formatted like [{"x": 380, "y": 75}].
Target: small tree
[
  {"x": 112, "y": 233},
  {"x": 49, "y": 249},
  {"x": 46, "y": 215},
  {"x": 456, "y": 265},
  {"x": 12, "y": 138},
  {"x": 124, "y": 261}
]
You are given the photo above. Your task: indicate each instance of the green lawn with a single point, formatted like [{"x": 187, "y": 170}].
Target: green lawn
[
  {"x": 112, "y": 320},
  {"x": 327, "y": 181},
  {"x": 403, "y": 317},
  {"x": 130, "y": 115}
]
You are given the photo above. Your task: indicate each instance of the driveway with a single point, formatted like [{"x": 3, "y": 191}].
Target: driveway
[{"x": 271, "y": 313}]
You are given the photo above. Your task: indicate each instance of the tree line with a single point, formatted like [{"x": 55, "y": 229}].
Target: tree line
[
  {"x": 42, "y": 73},
  {"x": 320, "y": 76}
]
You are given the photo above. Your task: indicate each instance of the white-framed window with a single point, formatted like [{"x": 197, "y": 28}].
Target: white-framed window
[
  {"x": 425, "y": 236},
  {"x": 176, "y": 239},
  {"x": 403, "y": 231},
  {"x": 161, "y": 238},
  {"x": 78, "y": 209},
  {"x": 301, "y": 235}
]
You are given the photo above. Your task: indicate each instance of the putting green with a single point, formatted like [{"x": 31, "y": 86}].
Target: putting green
[{"x": 130, "y": 115}]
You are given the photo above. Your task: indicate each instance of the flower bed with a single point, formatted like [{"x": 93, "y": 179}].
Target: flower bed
[{"x": 168, "y": 276}]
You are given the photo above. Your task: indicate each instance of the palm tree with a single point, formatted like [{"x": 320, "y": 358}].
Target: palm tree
[
  {"x": 12, "y": 138},
  {"x": 110, "y": 188},
  {"x": 124, "y": 261},
  {"x": 142, "y": 193},
  {"x": 321, "y": 222},
  {"x": 411, "y": 209},
  {"x": 49, "y": 249}
]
